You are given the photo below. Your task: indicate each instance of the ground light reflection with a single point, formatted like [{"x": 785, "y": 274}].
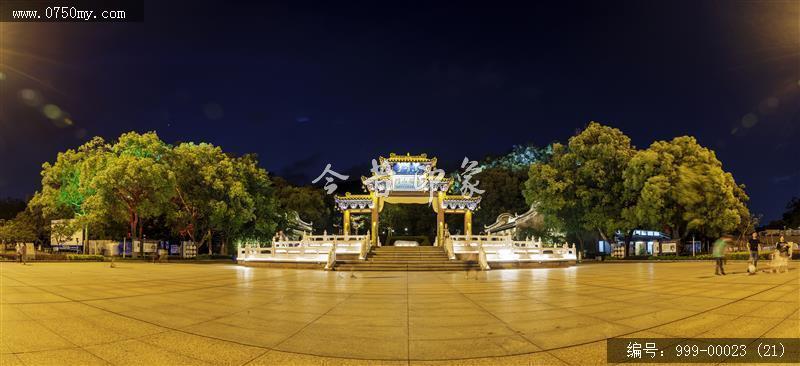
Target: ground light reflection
[
  {"x": 285, "y": 316},
  {"x": 243, "y": 274}
]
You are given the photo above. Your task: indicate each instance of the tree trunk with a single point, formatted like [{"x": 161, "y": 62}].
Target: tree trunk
[
  {"x": 141, "y": 235},
  {"x": 132, "y": 234},
  {"x": 676, "y": 234},
  {"x": 602, "y": 236},
  {"x": 210, "y": 242},
  {"x": 627, "y": 239}
]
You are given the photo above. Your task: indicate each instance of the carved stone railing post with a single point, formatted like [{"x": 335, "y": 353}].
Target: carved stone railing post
[
  {"x": 331, "y": 258},
  {"x": 365, "y": 247},
  {"x": 482, "y": 261},
  {"x": 448, "y": 247}
]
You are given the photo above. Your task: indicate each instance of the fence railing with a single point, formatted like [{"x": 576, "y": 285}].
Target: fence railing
[
  {"x": 309, "y": 248},
  {"x": 498, "y": 248}
]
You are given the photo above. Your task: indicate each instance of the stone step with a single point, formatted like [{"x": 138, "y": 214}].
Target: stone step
[
  {"x": 420, "y": 262},
  {"x": 400, "y": 249},
  {"x": 394, "y": 259},
  {"x": 405, "y": 259},
  {"x": 404, "y": 255},
  {"x": 409, "y": 249},
  {"x": 408, "y": 255},
  {"x": 402, "y": 269},
  {"x": 454, "y": 265},
  {"x": 357, "y": 267}
]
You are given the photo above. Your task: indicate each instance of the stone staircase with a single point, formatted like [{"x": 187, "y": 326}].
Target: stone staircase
[{"x": 391, "y": 258}]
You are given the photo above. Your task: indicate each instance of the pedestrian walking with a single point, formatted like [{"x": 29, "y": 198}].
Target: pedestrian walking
[
  {"x": 753, "y": 243},
  {"x": 24, "y": 253},
  {"x": 719, "y": 255},
  {"x": 783, "y": 247},
  {"x": 783, "y": 252},
  {"x": 18, "y": 252}
]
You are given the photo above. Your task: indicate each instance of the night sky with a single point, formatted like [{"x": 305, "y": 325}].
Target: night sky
[{"x": 307, "y": 84}]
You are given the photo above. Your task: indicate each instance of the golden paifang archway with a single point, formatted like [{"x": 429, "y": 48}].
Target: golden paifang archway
[{"x": 407, "y": 179}]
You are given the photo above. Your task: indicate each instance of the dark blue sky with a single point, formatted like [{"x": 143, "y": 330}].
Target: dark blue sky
[{"x": 310, "y": 84}]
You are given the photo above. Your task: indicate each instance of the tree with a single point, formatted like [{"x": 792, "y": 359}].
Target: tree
[
  {"x": 580, "y": 186},
  {"x": 66, "y": 184},
  {"x": 419, "y": 219},
  {"x": 502, "y": 193},
  {"x": 203, "y": 175},
  {"x": 791, "y": 218},
  {"x": 24, "y": 228},
  {"x": 680, "y": 186},
  {"x": 520, "y": 158},
  {"x": 308, "y": 201},
  {"x": 261, "y": 221},
  {"x": 10, "y": 207},
  {"x": 133, "y": 181}
]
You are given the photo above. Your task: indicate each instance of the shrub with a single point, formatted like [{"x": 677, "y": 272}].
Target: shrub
[
  {"x": 50, "y": 257},
  {"x": 213, "y": 256},
  {"x": 39, "y": 256},
  {"x": 85, "y": 257}
]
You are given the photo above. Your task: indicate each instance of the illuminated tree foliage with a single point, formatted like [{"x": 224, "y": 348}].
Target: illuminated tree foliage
[
  {"x": 251, "y": 211},
  {"x": 66, "y": 183},
  {"x": 580, "y": 186},
  {"x": 25, "y": 227},
  {"x": 204, "y": 178},
  {"x": 133, "y": 180},
  {"x": 266, "y": 212},
  {"x": 520, "y": 158},
  {"x": 201, "y": 192},
  {"x": 681, "y": 186}
]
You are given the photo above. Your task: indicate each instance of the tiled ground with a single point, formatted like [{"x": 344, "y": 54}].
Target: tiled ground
[{"x": 176, "y": 314}]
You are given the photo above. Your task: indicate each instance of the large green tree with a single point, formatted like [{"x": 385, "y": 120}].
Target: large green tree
[
  {"x": 254, "y": 214},
  {"x": 26, "y": 227},
  {"x": 66, "y": 183},
  {"x": 680, "y": 186},
  {"x": 196, "y": 189},
  {"x": 133, "y": 181},
  {"x": 580, "y": 186},
  {"x": 205, "y": 181}
]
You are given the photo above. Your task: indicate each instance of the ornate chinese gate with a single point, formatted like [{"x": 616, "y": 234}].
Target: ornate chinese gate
[{"x": 407, "y": 179}]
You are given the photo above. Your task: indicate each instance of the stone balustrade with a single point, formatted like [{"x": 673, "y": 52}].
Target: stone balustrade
[
  {"x": 502, "y": 248},
  {"x": 310, "y": 248}
]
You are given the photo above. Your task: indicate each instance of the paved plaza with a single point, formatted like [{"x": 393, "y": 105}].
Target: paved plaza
[{"x": 178, "y": 314}]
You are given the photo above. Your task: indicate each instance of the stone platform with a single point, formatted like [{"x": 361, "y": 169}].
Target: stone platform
[{"x": 186, "y": 314}]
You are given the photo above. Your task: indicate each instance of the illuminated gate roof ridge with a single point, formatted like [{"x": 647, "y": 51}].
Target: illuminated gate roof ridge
[{"x": 385, "y": 185}]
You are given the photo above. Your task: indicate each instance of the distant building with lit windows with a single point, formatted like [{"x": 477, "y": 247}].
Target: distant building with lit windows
[{"x": 641, "y": 243}]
